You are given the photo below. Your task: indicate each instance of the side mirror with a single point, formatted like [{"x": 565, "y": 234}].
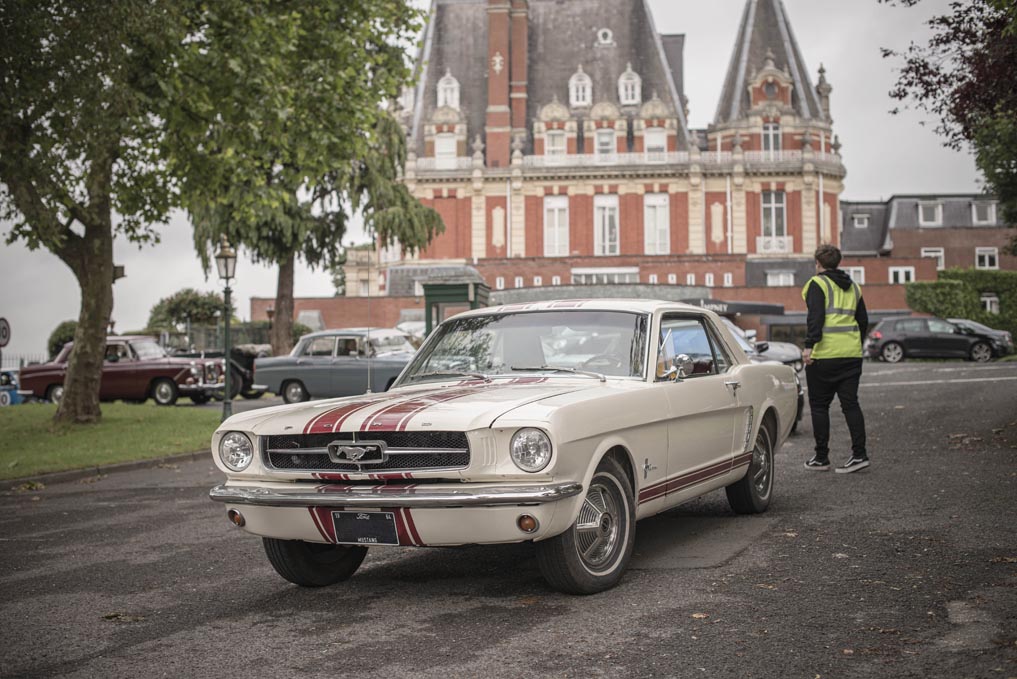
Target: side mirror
[
  {"x": 681, "y": 367},
  {"x": 762, "y": 346}
]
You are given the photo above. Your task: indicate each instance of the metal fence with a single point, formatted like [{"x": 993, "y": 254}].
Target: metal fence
[{"x": 17, "y": 361}]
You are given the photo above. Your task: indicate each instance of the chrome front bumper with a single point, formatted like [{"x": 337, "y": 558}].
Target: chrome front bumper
[{"x": 390, "y": 496}]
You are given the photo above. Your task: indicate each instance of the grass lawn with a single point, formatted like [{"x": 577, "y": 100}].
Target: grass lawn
[{"x": 32, "y": 444}]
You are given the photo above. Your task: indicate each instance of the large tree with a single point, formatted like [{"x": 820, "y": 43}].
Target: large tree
[
  {"x": 294, "y": 133},
  {"x": 185, "y": 306},
  {"x": 964, "y": 77}
]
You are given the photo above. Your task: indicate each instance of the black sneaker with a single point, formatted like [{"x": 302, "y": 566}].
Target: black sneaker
[
  {"x": 818, "y": 465},
  {"x": 853, "y": 465}
]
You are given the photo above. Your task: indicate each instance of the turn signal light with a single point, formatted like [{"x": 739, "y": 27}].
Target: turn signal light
[
  {"x": 236, "y": 518},
  {"x": 527, "y": 523}
]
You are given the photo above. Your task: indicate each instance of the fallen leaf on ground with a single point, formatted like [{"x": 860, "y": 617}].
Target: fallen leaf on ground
[
  {"x": 765, "y": 586},
  {"x": 29, "y": 486},
  {"x": 1003, "y": 559},
  {"x": 848, "y": 651},
  {"x": 840, "y": 555},
  {"x": 700, "y": 616}
]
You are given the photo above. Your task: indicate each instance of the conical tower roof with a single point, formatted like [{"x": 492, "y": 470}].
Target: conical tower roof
[{"x": 765, "y": 27}]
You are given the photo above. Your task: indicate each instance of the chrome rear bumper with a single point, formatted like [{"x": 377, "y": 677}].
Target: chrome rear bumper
[{"x": 393, "y": 496}]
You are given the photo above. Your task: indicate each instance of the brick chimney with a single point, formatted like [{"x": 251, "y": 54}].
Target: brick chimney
[
  {"x": 520, "y": 35},
  {"x": 498, "y": 123}
]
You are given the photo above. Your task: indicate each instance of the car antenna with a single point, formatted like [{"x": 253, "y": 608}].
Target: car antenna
[{"x": 367, "y": 345}]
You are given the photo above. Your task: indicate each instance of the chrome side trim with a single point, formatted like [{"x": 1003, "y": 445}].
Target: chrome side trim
[{"x": 393, "y": 496}]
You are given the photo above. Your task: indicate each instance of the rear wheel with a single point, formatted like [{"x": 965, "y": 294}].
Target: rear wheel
[
  {"x": 165, "y": 391},
  {"x": 892, "y": 352},
  {"x": 55, "y": 393},
  {"x": 751, "y": 494},
  {"x": 250, "y": 394},
  {"x": 200, "y": 399},
  {"x": 981, "y": 352},
  {"x": 313, "y": 564},
  {"x": 294, "y": 392},
  {"x": 591, "y": 556}
]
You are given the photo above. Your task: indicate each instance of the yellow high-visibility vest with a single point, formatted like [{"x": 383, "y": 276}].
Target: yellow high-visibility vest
[{"x": 841, "y": 335}]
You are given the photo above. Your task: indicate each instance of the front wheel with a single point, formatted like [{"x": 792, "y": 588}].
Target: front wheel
[
  {"x": 313, "y": 564},
  {"x": 200, "y": 399},
  {"x": 591, "y": 556},
  {"x": 294, "y": 392},
  {"x": 251, "y": 394},
  {"x": 981, "y": 352},
  {"x": 751, "y": 494},
  {"x": 165, "y": 392},
  {"x": 55, "y": 393},
  {"x": 892, "y": 352}
]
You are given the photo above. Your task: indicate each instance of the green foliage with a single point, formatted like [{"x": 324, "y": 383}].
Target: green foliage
[
  {"x": 957, "y": 294},
  {"x": 173, "y": 312},
  {"x": 60, "y": 336},
  {"x": 995, "y": 143}
]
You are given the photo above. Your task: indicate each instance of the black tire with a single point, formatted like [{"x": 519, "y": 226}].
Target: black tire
[
  {"x": 251, "y": 394},
  {"x": 605, "y": 527},
  {"x": 313, "y": 564},
  {"x": 892, "y": 352},
  {"x": 294, "y": 391},
  {"x": 981, "y": 352},
  {"x": 54, "y": 393},
  {"x": 751, "y": 494},
  {"x": 200, "y": 399},
  {"x": 165, "y": 392}
]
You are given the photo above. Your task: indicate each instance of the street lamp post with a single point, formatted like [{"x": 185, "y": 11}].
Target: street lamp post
[{"x": 226, "y": 263}]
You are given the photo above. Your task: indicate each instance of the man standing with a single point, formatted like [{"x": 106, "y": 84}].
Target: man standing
[{"x": 837, "y": 322}]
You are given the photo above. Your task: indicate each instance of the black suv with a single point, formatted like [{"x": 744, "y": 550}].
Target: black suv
[{"x": 894, "y": 339}]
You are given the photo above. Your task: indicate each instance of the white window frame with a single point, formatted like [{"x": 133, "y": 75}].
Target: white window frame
[
  {"x": 772, "y": 142},
  {"x": 672, "y": 279},
  {"x": 690, "y": 279},
  {"x": 780, "y": 279},
  {"x": 580, "y": 89},
  {"x": 652, "y": 279},
  {"x": 656, "y": 224},
  {"x": 857, "y": 273},
  {"x": 605, "y": 153},
  {"x": 538, "y": 281},
  {"x": 860, "y": 221},
  {"x": 899, "y": 275},
  {"x": 990, "y": 302},
  {"x": 448, "y": 91},
  {"x": 774, "y": 203},
  {"x": 555, "y": 144},
  {"x": 606, "y": 275},
  {"x": 629, "y": 88},
  {"x": 606, "y": 225},
  {"x": 990, "y": 257},
  {"x": 655, "y": 144},
  {"x": 499, "y": 283},
  {"x": 445, "y": 151},
  {"x": 556, "y": 226},
  {"x": 937, "y": 221},
  {"x": 728, "y": 280},
  {"x": 518, "y": 281},
  {"x": 990, "y": 214},
  {"x": 939, "y": 254},
  {"x": 555, "y": 280},
  {"x": 708, "y": 280}
]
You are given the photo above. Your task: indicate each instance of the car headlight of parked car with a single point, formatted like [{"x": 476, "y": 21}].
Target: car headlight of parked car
[
  {"x": 531, "y": 449},
  {"x": 236, "y": 451}
]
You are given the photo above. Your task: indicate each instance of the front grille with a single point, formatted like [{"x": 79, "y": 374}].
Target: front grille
[{"x": 407, "y": 451}]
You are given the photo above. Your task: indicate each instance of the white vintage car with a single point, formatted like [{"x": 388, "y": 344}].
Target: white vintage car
[{"x": 561, "y": 423}]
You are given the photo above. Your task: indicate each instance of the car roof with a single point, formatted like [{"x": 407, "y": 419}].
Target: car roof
[
  {"x": 352, "y": 331},
  {"x": 637, "y": 305}
]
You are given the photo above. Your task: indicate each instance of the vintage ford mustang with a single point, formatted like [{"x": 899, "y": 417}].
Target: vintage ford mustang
[{"x": 560, "y": 423}]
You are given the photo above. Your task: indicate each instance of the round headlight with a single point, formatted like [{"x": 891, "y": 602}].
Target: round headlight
[
  {"x": 531, "y": 450},
  {"x": 236, "y": 451}
]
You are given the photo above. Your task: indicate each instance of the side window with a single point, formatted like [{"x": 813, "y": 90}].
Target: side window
[
  {"x": 117, "y": 352},
  {"x": 722, "y": 358},
  {"x": 347, "y": 346},
  {"x": 937, "y": 325},
  {"x": 911, "y": 325},
  {"x": 321, "y": 346},
  {"x": 686, "y": 335}
]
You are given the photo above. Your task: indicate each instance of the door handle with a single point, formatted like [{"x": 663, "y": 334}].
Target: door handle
[{"x": 734, "y": 384}]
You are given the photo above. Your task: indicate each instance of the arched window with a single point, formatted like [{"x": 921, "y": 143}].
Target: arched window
[
  {"x": 580, "y": 89},
  {"x": 448, "y": 91},
  {"x": 629, "y": 87}
]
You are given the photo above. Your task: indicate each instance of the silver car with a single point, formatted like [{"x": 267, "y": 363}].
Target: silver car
[{"x": 336, "y": 363}]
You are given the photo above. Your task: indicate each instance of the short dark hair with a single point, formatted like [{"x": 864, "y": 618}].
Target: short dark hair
[{"x": 828, "y": 256}]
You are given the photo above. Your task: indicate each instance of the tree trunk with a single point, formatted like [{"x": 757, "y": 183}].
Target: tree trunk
[
  {"x": 92, "y": 262},
  {"x": 282, "y": 325}
]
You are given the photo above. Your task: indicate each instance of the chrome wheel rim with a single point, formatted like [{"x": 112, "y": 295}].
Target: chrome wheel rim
[
  {"x": 892, "y": 353},
  {"x": 163, "y": 392},
  {"x": 762, "y": 465},
  {"x": 598, "y": 529},
  {"x": 981, "y": 353},
  {"x": 57, "y": 394},
  {"x": 294, "y": 392}
]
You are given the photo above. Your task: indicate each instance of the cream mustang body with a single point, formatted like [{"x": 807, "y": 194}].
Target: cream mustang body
[{"x": 561, "y": 423}]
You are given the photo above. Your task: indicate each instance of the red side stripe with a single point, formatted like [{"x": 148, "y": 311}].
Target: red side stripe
[
  {"x": 401, "y": 532},
  {"x": 413, "y": 527},
  {"x": 323, "y": 522}
]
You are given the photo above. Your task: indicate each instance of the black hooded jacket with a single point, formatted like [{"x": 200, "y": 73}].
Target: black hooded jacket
[{"x": 816, "y": 303}]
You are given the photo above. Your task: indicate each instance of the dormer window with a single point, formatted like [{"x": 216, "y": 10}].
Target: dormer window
[
  {"x": 983, "y": 213},
  {"x": 605, "y": 148},
  {"x": 555, "y": 144},
  {"x": 448, "y": 91},
  {"x": 629, "y": 86},
  {"x": 771, "y": 137},
  {"x": 930, "y": 214},
  {"x": 860, "y": 221},
  {"x": 580, "y": 89}
]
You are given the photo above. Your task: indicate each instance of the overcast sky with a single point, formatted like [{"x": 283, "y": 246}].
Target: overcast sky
[{"x": 884, "y": 155}]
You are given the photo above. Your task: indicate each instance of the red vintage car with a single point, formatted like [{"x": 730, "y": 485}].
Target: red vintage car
[{"x": 135, "y": 368}]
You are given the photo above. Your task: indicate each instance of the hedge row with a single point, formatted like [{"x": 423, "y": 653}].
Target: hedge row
[{"x": 957, "y": 294}]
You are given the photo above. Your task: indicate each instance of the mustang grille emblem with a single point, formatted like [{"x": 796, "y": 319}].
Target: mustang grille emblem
[{"x": 358, "y": 453}]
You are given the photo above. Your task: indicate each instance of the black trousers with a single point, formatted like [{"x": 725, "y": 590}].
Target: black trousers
[{"x": 829, "y": 377}]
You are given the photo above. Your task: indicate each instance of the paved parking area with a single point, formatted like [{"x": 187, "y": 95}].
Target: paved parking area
[{"x": 906, "y": 569}]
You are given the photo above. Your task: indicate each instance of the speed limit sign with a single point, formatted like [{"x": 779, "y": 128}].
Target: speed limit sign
[{"x": 5, "y": 332}]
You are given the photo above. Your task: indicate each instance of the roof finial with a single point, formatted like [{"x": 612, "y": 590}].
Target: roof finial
[{"x": 769, "y": 59}]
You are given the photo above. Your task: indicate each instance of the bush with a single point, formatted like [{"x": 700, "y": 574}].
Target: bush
[
  {"x": 60, "y": 336},
  {"x": 957, "y": 294}
]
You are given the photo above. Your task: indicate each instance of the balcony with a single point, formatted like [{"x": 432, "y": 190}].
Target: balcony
[
  {"x": 445, "y": 163},
  {"x": 606, "y": 159},
  {"x": 774, "y": 245}
]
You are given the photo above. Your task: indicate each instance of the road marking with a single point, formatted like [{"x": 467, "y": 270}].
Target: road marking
[{"x": 921, "y": 382}]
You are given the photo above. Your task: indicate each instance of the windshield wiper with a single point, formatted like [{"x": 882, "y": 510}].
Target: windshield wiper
[
  {"x": 560, "y": 369},
  {"x": 446, "y": 373}
]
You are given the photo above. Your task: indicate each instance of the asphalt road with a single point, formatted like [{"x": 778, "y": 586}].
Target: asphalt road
[{"x": 907, "y": 569}]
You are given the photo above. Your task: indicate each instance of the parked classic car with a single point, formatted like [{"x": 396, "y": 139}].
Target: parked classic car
[
  {"x": 135, "y": 368},
  {"x": 336, "y": 363},
  {"x": 1002, "y": 340},
  {"x": 894, "y": 339},
  {"x": 503, "y": 429},
  {"x": 782, "y": 352},
  {"x": 242, "y": 358}
]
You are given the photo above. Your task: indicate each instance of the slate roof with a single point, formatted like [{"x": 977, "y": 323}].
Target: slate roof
[
  {"x": 956, "y": 210},
  {"x": 765, "y": 26},
  {"x": 561, "y": 36},
  {"x": 870, "y": 240},
  {"x": 402, "y": 279}
]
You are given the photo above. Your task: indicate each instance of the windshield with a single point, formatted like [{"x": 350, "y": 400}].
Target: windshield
[
  {"x": 611, "y": 343},
  {"x": 147, "y": 350},
  {"x": 977, "y": 327},
  {"x": 388, "y": 344}
]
